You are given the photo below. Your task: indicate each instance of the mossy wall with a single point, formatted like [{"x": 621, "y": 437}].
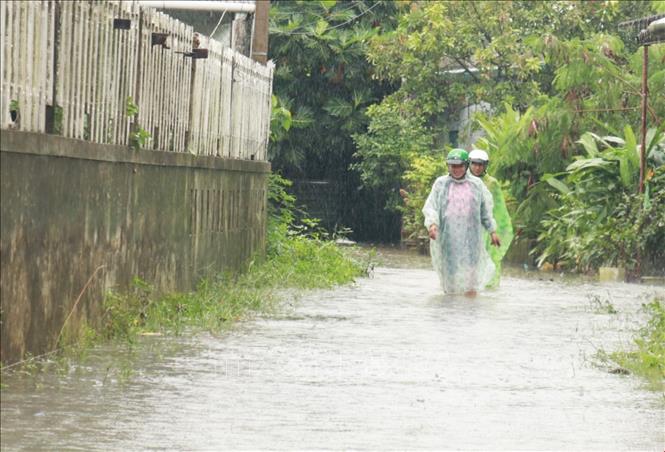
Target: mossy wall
[{"x": 79, "y": 219}]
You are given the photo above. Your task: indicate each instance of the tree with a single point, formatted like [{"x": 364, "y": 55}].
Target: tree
[
  {"x": 325, "y": 83},
  {"x": 595, "y": 88},
  {"x": 324, "y": 80},
  {"x": 549, "y": 70},
  {"x": 490, "y": 43}
]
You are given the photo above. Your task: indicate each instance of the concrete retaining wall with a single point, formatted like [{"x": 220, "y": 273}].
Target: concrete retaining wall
[{"x": 73, "y": 212}]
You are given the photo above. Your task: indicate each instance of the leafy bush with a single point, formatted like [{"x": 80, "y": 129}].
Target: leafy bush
[
  {"x": 394, "y": 138},
  {"x": 601, "y": 220},
  {"x": 595, "y": 87},
  {"x": 523, "y": 147},
  {"x": 281, "y": 214},
  {"x": 419, "y": 179}
]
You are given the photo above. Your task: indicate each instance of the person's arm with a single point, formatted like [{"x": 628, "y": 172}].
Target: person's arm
[{"x": 432, "y": 208}]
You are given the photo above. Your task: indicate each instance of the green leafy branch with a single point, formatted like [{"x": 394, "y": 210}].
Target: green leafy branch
[{"x": 139, "y": 137}]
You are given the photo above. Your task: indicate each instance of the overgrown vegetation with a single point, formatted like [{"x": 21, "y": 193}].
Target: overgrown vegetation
[
  {"x": 298, "y": 257},
  {"x": 647, "y": 355},
  {"x": 139, "y": 137},
  {"x": 494, "y": 56},
  {"x": 595, "y": 93},
  {"x": 323, "y": 81},
  {"x": 601, "y": 220},
  {"x": 544, "y": 79},
  {"x": 323, "y": 85}
]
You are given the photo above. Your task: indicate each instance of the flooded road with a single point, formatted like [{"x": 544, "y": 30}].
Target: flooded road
[{"x": 386, "y": 363}]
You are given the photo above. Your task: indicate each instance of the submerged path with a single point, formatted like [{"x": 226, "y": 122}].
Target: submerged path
[{"x": 387, "y": 363}]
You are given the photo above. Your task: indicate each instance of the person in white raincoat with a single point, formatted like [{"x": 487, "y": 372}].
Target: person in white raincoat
[{"x": 456, "y": 210}]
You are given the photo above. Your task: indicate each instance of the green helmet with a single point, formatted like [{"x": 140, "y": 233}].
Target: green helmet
[{"x": 458, "y": 157}]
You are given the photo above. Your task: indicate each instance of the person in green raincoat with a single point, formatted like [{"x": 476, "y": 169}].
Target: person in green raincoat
[
  {"x": 457, "y": 211},
  {"x": 479, "y": 160}
]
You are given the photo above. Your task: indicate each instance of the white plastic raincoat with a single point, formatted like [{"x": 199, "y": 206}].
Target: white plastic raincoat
[{"x": 460, "y": 208}]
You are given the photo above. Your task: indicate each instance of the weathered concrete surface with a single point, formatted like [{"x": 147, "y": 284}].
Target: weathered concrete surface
[{"x": 73, "y": 211}]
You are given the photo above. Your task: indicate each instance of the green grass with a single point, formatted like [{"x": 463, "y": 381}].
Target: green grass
[
  {"x": 600, "y": 305},
  {"x": 301, "y": 263},
  {"x": 647, "y": 358}
]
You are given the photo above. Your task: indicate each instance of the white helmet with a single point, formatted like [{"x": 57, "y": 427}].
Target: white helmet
[{"x": 479, "y": 156}]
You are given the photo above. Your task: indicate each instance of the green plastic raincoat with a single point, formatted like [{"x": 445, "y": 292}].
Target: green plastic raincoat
[
  {"x": 504, "y": 227},
  {"x": 462, "y": 210}
]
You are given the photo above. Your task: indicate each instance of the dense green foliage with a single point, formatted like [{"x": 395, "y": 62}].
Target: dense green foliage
[
  {"x": 601, "y": 219},
  {"x": 542, "y": 139},
  {"x": 450, "y": 55},
  {"x": 323, "y": 80},
  {"x": 403, "y": 138},
  {"x": 541, "y": 75},
  {"x": 323, "y": 86}
]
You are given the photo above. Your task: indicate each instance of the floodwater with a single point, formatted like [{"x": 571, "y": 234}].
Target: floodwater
[{"x": 386, "y": 363}]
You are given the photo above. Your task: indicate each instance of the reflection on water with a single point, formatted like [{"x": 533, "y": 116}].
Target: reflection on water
[{"x": 389, "y": 362}]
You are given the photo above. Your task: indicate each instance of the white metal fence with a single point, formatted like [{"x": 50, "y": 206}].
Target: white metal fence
[{"x": 113, "y": 72}]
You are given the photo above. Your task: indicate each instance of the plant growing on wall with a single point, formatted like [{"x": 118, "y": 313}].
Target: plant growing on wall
[
  {"x": 138, "y": 137},
  {"x": 14, "y": 110}
]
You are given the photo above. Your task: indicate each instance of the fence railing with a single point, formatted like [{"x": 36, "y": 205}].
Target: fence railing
[{"x": 113, "y": 72}]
